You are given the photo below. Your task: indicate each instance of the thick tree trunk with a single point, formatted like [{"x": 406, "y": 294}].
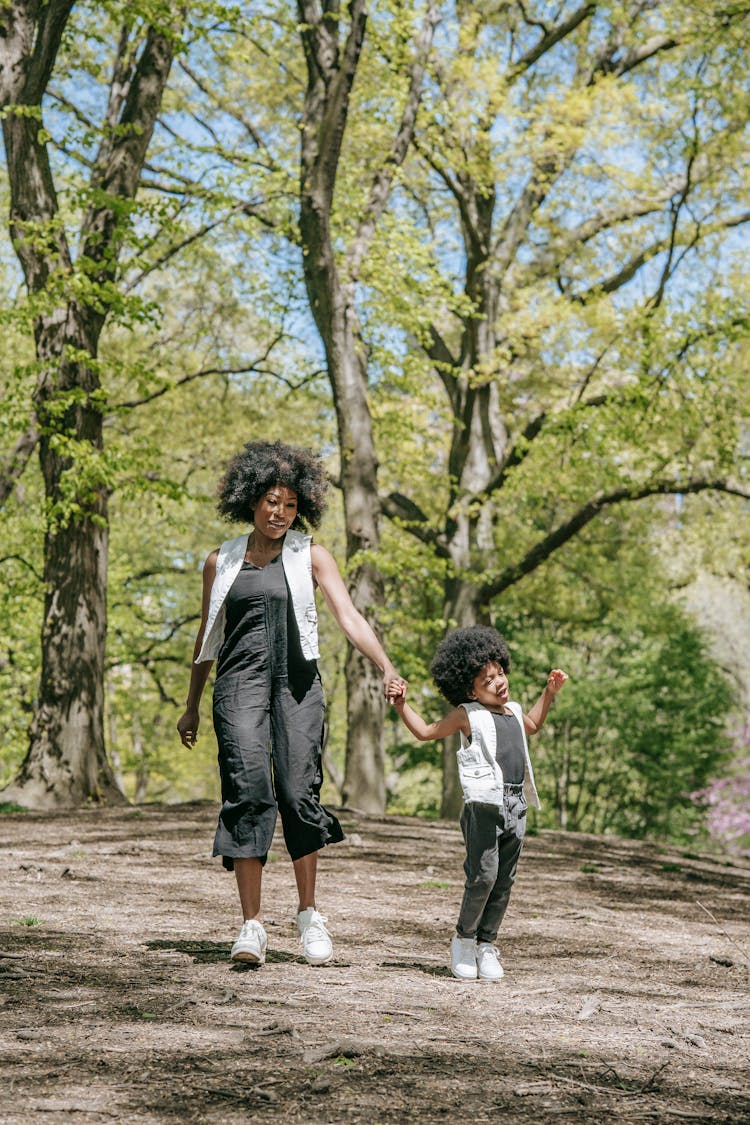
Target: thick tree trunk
[
  {"x": 364, "y": 776},
  {"x": 332, "y": 63},
  {"x": 66, "y": 763},
  {"x": 331, "y": 71}
]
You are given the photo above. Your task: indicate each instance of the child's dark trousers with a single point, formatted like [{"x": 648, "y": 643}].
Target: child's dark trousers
[{"x": 493, "y": 838}]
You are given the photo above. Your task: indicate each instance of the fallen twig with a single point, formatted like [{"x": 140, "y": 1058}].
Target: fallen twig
[
  {"x": 729, "y": 937},
  {"x": 649, "y": 1086}
]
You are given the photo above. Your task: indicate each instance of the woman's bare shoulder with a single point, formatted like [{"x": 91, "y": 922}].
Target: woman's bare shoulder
[
  {"x": 317, "y": 549},
  {"x": 321, "y": 557},
  {"x": 209, "y": 566}
]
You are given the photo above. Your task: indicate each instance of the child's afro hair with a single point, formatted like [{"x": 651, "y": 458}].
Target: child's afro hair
[
  {"x": 263, "y": 464},
  {"x": 461, "y": 656}
]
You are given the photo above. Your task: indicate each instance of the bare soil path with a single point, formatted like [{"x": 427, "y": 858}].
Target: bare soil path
[{"x": 625, "y": 997}]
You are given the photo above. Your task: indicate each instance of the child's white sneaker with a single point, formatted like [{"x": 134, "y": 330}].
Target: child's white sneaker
[
  {"x": 251, "y": 944},
  {"x": 316, "y": 941},
  {"x": 464, "y": 957},
  {"x": 488, "y": 962}
]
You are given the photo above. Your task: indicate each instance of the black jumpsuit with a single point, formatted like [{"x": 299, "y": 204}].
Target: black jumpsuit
[{"x": 268, "y": 708}]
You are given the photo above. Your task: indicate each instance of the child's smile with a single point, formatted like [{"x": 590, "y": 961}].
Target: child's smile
[{"x": 490, "y": 687}]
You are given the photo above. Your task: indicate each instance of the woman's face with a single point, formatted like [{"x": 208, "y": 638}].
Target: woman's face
[{"x": 275, "y": 512}]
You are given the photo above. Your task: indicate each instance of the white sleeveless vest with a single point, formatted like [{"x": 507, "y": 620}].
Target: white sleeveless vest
[
  {"x": 484, "y": 735},
  {"x": 297, "y": 562}
]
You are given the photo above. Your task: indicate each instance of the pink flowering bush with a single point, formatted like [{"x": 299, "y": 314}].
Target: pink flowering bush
[{"x": 727, "y": 801}]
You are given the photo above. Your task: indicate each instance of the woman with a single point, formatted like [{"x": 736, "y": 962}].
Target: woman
[{"x": 259, "y": 622}]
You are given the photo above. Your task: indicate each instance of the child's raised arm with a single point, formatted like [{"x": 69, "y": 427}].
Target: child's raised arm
[
  {"x": 538, "y": 713},
  {"x": 428, "y": 732}
]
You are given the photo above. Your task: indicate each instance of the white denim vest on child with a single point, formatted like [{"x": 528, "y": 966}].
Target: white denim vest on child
[
  {"x": 479, "y": 752},
  {"x": 297, "y": 562}
]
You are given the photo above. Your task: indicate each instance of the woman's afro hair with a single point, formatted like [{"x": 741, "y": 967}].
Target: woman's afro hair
[
  {"x": 461, "y": 656},
  {"x": 263, "y": 464}
]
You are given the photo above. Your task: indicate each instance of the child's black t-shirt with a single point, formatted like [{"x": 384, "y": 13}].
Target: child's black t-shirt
[{"x": 509, "y": 753}]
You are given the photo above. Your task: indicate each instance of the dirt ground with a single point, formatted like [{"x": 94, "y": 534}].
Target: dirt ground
[{"x": 625, "y": 996}]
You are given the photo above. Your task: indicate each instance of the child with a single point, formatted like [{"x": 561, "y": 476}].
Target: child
[{"x": 471, "y": 670}]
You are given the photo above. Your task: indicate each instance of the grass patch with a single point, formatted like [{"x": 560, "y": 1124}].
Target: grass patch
[
  {"x": 671, "y": 867},
  {"x": 11, "y": 807},
  {"x": 434, "y": 885},
  {"x": 29, "y": 920},
  {"x": 590, "y": 868}
]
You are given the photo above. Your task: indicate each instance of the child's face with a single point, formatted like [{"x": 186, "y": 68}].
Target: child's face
[{"x": 491, "y": 686}]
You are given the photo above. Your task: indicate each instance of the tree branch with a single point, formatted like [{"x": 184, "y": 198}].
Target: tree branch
[
  {"x": 52, "y": 20},
  {"x": 446, "y": 364},
  {"x": 551, "y": 37},
  {"x": 231, "y": 108},
  {"x": 330, "y": 81},
  {"x": 517, "y": 452},
  {"x": 550, "y": 255},
  {"x": 627, "y": 272},
  {"x": 178, "y": 247},
  {"x": 396, "y": 506},
  {"x": 566, "y": 530},
  {"x": 202, "y": 374},
  {"x": 25, "y": 562},
  {"x": 28, "y": 50},
  {"x": 637, "y": 55},
  {"x": 441, "y": 171},
  {"x": 548, "y": 169},
  {"x": 384, "y": 176},
  {"x": 122, "y": 154}
]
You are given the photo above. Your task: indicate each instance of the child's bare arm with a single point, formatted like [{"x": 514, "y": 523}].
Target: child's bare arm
[
  {"x": 538, "y": 713},
  {"x": 429, "y": 732}
]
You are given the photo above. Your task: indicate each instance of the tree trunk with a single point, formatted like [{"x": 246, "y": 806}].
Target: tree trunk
[
  {"x": 142, "y": 772},
  {"x": 66, "y": 764},
  {"x": 332, "y": 63},
  {"x": 364, "y": 777},
  {"x": 475, "y": 449},
  {"x": 113, "y": 748},
  {"x": 331, "y": 71}
]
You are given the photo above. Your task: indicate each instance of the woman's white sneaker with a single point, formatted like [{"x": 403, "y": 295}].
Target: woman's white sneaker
[
  {"x": 251, "y": 944},
  {"x": 316, "y": 941},
  {"x": 488, "y": 962},
  {"x": 464, "y": 957}
]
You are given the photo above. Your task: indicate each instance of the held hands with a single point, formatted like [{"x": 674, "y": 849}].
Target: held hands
[
  {"x": 395, "y": 691},
  {"x": 555, "y": 680}
]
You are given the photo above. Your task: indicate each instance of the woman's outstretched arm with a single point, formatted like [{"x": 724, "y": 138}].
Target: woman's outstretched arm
[{"x": 351, "y": 622}]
